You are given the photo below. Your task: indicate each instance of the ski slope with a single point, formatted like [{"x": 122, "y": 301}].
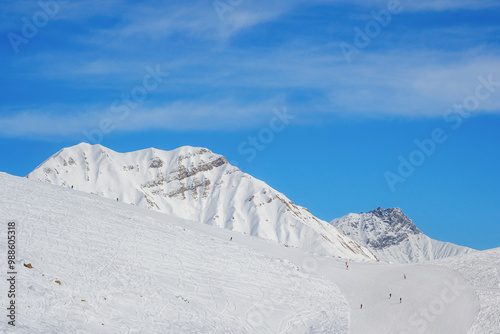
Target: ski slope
[
  {"x": 125, "y": 269},
  {"x": 482, "y": 271}
]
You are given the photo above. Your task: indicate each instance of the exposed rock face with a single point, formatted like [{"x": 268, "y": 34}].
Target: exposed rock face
[
  {"x": 393, "y": 237},
  {"x": 400, "y": 228}
]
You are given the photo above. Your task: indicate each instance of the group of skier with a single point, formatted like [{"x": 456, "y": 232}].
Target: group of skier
[{"x": 390, "y": 294}]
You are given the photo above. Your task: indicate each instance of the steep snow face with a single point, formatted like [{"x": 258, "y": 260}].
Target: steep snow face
[
  {"x": 393, "y": 237},
  {"x": 196, "y": 184},
  {"x": 124, "y": 269}
]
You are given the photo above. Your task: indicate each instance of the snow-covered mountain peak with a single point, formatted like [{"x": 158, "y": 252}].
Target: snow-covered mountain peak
[
  {"x": 184, "y": 152},
  {"x": 189, "y": 159},
  {"x": 393, "y": 237},
  {"x": 378, "y": 228},
  {"x": 196, "y": 184}
]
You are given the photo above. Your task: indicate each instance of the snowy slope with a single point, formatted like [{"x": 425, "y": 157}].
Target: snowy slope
[
  {"x": 196, "y": 184},
  {"x": 393, "y": 237},
  {"x": 482, "y": 271},
  {"x": 125, "y": 269}
]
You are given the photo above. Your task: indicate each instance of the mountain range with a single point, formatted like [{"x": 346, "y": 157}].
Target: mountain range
[{"x": 196, "y": 184}]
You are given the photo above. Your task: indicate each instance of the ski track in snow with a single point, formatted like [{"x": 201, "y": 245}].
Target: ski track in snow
[
  {"x": 482, "y": 271},
  {"x": 136, "y": 273},
  {"x": 140, "y": 271}
]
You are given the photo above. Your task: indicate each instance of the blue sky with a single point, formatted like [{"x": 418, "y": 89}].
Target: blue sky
[{"x": 389, "y": 103}]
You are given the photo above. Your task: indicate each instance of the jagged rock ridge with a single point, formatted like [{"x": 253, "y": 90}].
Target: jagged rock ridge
[{"x": 393, "y": 237}]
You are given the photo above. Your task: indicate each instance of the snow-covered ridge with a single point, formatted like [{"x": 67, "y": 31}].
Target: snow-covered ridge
[
  {"x": 393, "y": 237},
  {"x": 195, "y": 184}
]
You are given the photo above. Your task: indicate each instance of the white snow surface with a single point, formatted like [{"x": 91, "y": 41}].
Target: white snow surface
[
  {"x": 195, "y": 184},
  {"x": 394, "y": 238},
  {"x": 486, "y": 282},
  {"x": 125, "y": 269}
]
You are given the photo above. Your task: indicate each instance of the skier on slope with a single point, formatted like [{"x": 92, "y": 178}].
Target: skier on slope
[
  {"x": 400, "y": 300},
  {"x": 390, "y": 295},
  {"x": 361, "y": 306}
]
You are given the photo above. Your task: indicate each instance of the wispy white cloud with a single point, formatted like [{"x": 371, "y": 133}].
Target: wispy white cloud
[
  {"x": 413, "y": 84},
  {"x": 228, "y": 115},
  {"x": 229, "y": 73},
  {"x": 37, "y": 123},
  {"x": 382, "y": 85},
  {"x": 422, "y": 5},
  {"x": 440, "y": 5}
]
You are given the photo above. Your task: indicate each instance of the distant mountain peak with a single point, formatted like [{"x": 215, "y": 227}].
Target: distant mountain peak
[
  {"x": 393, "y": 237},
  {"x": 381, "y": 212}
]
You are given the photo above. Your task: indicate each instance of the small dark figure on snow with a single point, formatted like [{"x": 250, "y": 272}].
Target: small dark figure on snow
[
  {"x": 117, "y": 199},
  {"x": 404, "y": 276},
  {"x": 231, "y": 239},
  {"x": 400, "y": 300},
  {"x": 390, "y": 295},
  {"x": 361, "y": 306}
]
